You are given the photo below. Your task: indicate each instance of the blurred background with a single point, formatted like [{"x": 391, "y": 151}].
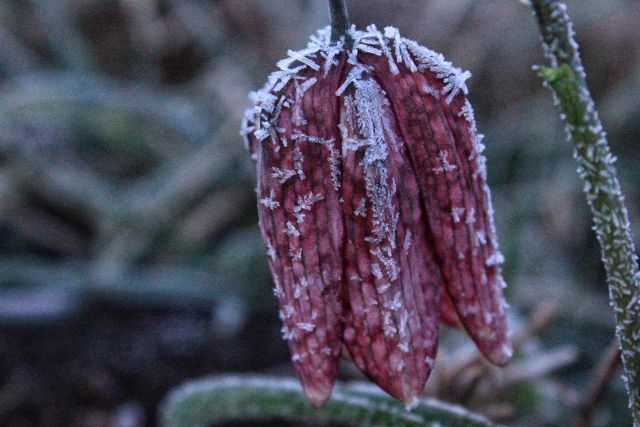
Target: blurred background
[{"x": 130, "y": 258}]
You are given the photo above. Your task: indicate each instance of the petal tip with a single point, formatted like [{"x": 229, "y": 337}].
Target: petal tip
[
  {"x": 318, "y": 394},
  {"x": 411, "y": 403},
  {"x": 406, "y": 392},
  {"x": 501, "y": 355}
]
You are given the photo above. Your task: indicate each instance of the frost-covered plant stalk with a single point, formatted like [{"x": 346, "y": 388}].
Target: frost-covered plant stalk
[
  {"x": 374, "y": 208},
  {"x": 567, "y": 78}
]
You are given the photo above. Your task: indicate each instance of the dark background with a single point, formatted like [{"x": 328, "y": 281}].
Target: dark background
[{"x": 130, "y": 259}]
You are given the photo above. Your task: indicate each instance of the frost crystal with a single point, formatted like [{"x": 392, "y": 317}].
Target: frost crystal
[
  {"x": 445, "y": 166},
  {"x": 269, "y": 201},
  {"x": 282, "y": 175}
]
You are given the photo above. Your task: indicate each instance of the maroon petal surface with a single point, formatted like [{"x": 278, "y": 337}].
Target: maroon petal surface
[
  {"x": 391, "y": 325},
  {"x": 296, "y": 144},
  {"x": 436, "y": 122}
]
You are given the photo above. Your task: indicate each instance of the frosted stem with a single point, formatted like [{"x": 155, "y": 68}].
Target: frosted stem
[
  {"x": 567, "y": 79},
  {"x": 339, "y": 19}
]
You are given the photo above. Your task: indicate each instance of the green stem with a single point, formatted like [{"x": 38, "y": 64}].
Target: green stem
[
  {"x": 217, "y": 399},
  {"x": 567, "y": 78}
]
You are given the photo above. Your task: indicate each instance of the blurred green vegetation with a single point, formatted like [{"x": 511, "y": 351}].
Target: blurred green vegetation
[{"x": 127, "y": 211}]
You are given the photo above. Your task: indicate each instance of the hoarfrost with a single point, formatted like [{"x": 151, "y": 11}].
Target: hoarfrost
[
  {"x": 305, "y": 326},
  {"x": 298, "y": 357},
  {"x": 396, "y": 303},
  {"x": 282, "y": 175},
  {"x": 494, "y": 259},
  {"x": 270, "y": 201},
  {"x": 456, "y": 213},
  {"x": 298, "y": 161},
  {"x": 407, "y": 242},
  {"x": 295, "y": 254},
  {"x": 445, "y": 166},
  {"x": 291, "y": 230},
  {"x": 361, "y": 210},
  {"x": 431, "y": 91}
]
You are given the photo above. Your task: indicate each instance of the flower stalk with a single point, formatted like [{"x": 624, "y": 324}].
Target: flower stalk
[
  {"x": 339, "y": 20},
  {"x": 567, "y": 78}
]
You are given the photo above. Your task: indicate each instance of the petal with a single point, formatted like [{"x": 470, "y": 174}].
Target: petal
[
  {"x": 448, "y": 312},
  {"x": 301, "y": 220},
  {"x": 391, "y": 326},
  {"x": 436, "y": 122}
]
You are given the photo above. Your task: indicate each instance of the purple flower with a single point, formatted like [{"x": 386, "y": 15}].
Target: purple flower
[{"x": 375, "y": 211}]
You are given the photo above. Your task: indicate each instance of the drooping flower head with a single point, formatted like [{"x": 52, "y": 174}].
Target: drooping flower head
[{"x": 374, "y": 208}]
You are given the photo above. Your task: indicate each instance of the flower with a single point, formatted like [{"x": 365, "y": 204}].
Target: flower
[{"x": 374, "y": 207}]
